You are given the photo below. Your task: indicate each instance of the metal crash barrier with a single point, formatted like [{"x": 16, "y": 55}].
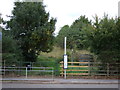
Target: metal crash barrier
[{"x": 26, "y": 72}]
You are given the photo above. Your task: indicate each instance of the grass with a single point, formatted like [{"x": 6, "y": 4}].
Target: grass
[
  {"x": 59, "y": 52},
  {"x": 56, "y": 53},
  {"x": 53, "y": 58}
]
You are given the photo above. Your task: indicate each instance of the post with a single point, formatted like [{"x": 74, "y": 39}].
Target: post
[
  {"x": 107, "y": 69},
  {"x": 89, "y": 68},
  {"x": 65, "y": 46},
  {"x": 64, "y": 73},
  {"x": 26, "y": 72},
  {"x": 4, "y": 68},
  {"x": 65, "y": 65},
  {"x": 52, "y": 74},
  {"x": 72, "y": 57},
  {"x": 65, "y": 58}
]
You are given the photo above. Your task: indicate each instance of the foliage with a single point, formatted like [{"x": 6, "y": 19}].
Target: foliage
[
  {"x": 1, "y": 19},
  {"x": 31, "y": 26},
  {"x": 101, "y": 37},
  {"x": 104, "y": 39},
  {"x": 44, "y": 61},
  {"x": 74, "y": 33},
  {"x": 62, "y": 33},
  {"x": 11, "y": 53}
]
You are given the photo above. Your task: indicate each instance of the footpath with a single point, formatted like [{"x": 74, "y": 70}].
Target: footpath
[{"x": 59, "y": 81}]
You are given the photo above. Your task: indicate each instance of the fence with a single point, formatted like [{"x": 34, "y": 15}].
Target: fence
[
  {"x": 27, "y": 72},
  {"x": 74, "y": 69},
  {"x": 91, "y": 68}
]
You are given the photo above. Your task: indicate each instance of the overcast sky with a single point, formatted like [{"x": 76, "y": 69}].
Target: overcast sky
[{"x": 66, "y": 11}]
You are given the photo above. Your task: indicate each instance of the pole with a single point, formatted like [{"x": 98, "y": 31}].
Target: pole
[
  {"x": 65, "y": 54},
  {"x": 72, "y": 57},
  {"x": 4, "y": 68},
  {"x": 65, "y": 46},
  {"x": 64, "y": 73},
  {"x": 52, "y": 74},
  {"x": 107, "y": 69},
  {"x": 26, "y": 72}
]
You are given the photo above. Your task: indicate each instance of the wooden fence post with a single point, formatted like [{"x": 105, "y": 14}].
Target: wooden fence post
[{"x": 89, "y": 68}]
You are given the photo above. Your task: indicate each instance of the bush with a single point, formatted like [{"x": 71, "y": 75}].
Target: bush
[{"x": 43, "y": 61}]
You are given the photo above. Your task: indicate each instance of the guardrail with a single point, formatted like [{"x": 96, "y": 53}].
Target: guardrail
[{"x": 27, "y": 71}]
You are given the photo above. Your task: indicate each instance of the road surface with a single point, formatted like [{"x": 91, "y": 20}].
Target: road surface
[{"x": 18, "y": 85}]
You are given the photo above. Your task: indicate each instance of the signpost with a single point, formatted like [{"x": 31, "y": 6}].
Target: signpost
[
  {"x": 65, "y": 61},
  {"x": 65, "y": 58}
]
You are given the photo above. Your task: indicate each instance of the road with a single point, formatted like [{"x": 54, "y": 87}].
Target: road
[{"x": 18, "y": 85}]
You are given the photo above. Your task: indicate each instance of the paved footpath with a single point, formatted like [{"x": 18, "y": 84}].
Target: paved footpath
[{"x": 59, "y": 81}]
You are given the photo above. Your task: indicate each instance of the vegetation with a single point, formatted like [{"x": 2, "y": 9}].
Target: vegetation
[
  {"x": 31, "y": 26},
  {"x": 101, "y": 37},
  {"x": 11, "y": 54},
  {"x": 30, "y": 38},
  {"x": 74, "y": 34}
]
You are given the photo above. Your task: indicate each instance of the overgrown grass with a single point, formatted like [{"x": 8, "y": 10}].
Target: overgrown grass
[
  {"x": 59, "y": 52},
  {"x": 56, "y": 53},
  {"x": 52, "y": 59},
  {"x": 44, "y": 61}
]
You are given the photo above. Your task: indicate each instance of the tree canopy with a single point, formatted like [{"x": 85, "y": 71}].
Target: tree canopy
[
  {"x": 105, "y": 39},
  {"x": 101, "y": 37},
  {"x": 31, "y": 26},
  {"x": 74, "y": 33}
]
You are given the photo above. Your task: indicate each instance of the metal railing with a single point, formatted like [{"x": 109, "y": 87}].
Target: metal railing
[{"x": 27, "y": 71}]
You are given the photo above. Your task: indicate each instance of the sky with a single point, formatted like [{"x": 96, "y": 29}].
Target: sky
[{"x": 67, "y": 11}]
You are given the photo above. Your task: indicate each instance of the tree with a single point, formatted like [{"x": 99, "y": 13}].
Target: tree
[
  {"x": 31, "y": 26},
  {"x": 62, "y": 33},
  {"x": 104, "y": 39},
  {"x": 74, "y": 33},
  {"x": 11, "y": 52}
]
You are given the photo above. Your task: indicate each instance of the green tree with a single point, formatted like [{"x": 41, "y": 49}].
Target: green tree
[
  {"x": 31, "y": 26},
  {"x": 62, "y": 33},
  {"x": 74, "y": 33},
  {"x": 104, "y": 39},
  {"x": 11, "y": 52}
]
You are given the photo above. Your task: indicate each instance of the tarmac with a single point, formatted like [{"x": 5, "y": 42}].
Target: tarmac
[{"x": 59, "y": 81}]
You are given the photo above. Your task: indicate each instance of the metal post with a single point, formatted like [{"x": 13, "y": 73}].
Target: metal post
[
  {"x": 4, "y": 67},
  {"x": 52, "y": 74},
  {"x": 72, "y": 57},
  {"x": 26, "y": 72},
  {"x": 107, "y": 69},
  {"x": 64, "y": 73},
  {"x": 65, "y": 54},
  {"x": 65, "y": 46}
]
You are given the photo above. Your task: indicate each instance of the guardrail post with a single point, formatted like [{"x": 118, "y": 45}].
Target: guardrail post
[
  {"x": 52, "y": 74},
  {"x": 26, "y": 72},
  {"x": 4, "y": 68},
  {"x": 107, "y": 69}
]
